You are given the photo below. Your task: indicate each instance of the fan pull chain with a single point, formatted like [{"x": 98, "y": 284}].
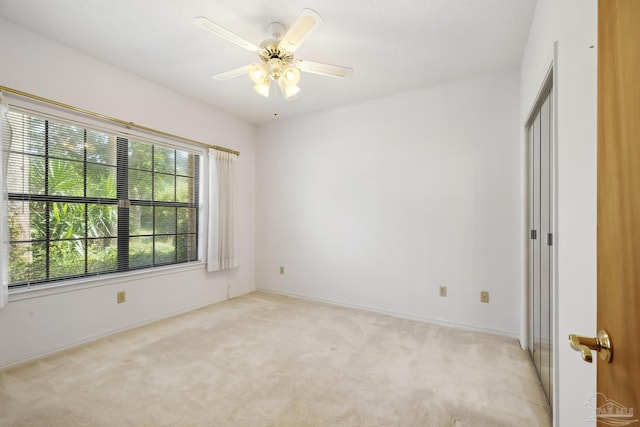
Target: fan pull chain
[{"x": 275, "y": 101}]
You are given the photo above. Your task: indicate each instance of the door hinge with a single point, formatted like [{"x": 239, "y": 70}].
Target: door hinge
[
  {"x": 534, "y": 234},
  {"x": 549, "y": 239}
]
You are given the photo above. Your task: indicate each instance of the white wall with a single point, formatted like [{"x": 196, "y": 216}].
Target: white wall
[
  {"x": 36, "y": 326},
  {"x": 573, "y": 24},
  {"x": 377, "y": 204},
  {"x": 374, "y": 204}
]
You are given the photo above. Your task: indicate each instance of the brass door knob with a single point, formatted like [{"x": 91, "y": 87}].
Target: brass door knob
[{"x": 601, "y": 344}]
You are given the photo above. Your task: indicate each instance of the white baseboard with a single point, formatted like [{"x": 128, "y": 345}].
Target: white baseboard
[
  {"x": 423, "y": 319},
  {"x": 238, "y": 293},
  {"x": 86, "y": 340}
]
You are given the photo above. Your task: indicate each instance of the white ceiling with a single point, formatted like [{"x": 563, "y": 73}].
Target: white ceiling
[{"x": 393, "y": 46}]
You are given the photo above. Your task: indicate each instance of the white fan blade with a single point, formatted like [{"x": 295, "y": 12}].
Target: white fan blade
[
  {"x": 232, "y": 73},
  {"x": 324, "y": 69},
  {"x": 307, "y": 23},
  {"x": 220, "y": 31}
]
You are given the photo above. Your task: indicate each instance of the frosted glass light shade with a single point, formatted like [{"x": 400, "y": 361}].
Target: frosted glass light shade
[
  {"x": 288, "y": 90},
  {"x": 291, "y": 76},
  {"x": 263, "y": 88},
  {"x": 258, "y": 73},
  {"x": 286, "y": 77}
]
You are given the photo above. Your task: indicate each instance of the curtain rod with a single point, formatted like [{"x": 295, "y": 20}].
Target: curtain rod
[{"x": 128, "y": 125}]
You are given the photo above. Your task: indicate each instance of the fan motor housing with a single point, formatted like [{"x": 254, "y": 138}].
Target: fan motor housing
[{"x": 270, "y": 50}]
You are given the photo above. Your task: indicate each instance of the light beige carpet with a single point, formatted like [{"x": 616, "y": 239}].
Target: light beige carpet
[{"x": 265, "y": 360}]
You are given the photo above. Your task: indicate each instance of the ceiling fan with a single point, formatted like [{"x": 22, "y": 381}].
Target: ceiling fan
[{"x": 277, "y": 62}]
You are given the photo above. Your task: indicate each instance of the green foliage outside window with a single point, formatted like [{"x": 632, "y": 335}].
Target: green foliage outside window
[{"x": 64, "y": 216}]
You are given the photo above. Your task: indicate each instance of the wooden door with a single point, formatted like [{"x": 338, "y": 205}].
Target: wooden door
[{"x": 618, "y": 382}]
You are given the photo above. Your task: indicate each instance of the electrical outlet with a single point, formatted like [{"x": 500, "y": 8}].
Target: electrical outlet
[
  {"x": 443, "y": 291},
  {"x": 484, "y": 296},
  {"x": 121, "y": 297},
  {"x": 281, "y": 270}
]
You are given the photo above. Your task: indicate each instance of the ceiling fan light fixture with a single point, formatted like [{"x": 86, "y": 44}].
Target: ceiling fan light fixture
[
  {"x": 288, "y": 90},
  {"x": 291, "y": 75},
  {"x": 277, "y": 56},
  {"x": 263, "y": 88},
  {"x": 258, "y": 73},
  {"x": 291, "y": 91}
]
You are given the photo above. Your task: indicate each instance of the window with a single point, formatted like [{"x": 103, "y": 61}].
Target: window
[{"x": 83, "y": 202}]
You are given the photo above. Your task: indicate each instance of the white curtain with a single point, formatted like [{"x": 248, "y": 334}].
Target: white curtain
[
  {"x": 5, "y": 140},
  {"x": 221, "y": 249}
]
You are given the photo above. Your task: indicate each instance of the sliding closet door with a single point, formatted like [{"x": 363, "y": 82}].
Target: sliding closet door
[
  {"x": 535, "y": 245},
  {"x": 541, "y": 242},
  {"x": 545, "y": 247}
]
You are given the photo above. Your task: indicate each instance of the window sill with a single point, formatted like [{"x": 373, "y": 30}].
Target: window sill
[{"x": 44, "y": 290}]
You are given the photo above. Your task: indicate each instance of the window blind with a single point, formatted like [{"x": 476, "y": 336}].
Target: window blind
[{"x": 86, "y": 202}]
